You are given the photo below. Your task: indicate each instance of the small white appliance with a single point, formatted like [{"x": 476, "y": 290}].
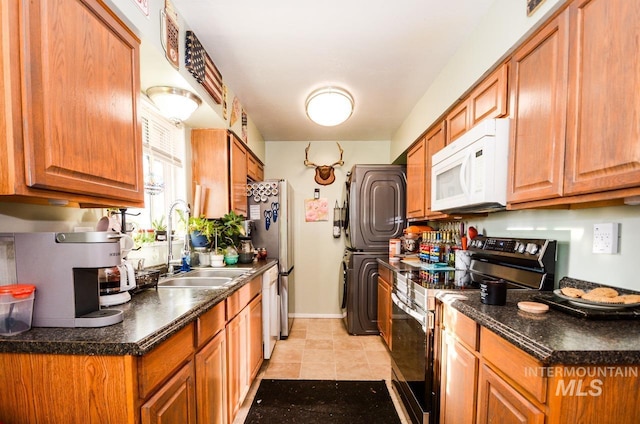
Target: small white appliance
[{"x": 470, "y": 174}]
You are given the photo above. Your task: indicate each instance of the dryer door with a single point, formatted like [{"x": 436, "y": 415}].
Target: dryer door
[{"x": 343, "y": 279}]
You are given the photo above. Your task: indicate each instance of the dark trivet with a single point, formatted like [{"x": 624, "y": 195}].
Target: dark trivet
[{"x": 322, "y": 401}]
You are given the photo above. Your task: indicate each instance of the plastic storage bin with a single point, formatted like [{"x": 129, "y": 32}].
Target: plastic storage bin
[{"x": 16, "y": 308}]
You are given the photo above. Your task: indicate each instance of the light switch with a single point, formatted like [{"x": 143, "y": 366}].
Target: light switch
[{"x": 605, "y": 238}]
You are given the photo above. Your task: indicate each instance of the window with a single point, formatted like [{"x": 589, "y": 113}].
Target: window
[{"x": 164, "y": 173}]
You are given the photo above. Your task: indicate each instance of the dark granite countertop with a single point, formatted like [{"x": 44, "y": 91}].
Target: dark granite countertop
[
  {"x": 553, "y": 337},
  {"x": 150, "y": 317}
]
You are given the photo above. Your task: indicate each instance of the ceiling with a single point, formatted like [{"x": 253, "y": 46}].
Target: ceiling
[{"x": 385, "y": 53}]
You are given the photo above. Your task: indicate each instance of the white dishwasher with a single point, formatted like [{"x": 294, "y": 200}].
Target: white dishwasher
[{"x": 270, "y": 311}]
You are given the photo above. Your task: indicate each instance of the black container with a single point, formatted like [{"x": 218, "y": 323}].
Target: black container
[{"x": 493, "y": 292}]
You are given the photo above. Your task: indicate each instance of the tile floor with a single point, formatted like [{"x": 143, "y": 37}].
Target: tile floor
[{"x": 321, "y": 349}]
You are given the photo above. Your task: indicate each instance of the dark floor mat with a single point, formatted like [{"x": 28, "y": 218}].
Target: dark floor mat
[{"x": 322, "y": 401}]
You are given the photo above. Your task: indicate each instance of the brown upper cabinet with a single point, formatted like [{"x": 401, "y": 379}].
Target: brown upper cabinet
[
  {"x": 255, "y": 168},
  {"x": 570, "y": 76},
  {"x": 220, "y": 165},
  {"x": 538, "y": 111},
  {"x": 238, "y": 174},
  {"x": 419, "y": 173},
  {"x": 487, "y": 100},
  {"x": 603, "y": 130},
  {"x": 68, "y": 104},
  {"x": 416, "y": 179}
]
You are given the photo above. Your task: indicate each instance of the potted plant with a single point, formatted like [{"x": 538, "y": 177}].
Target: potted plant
[
  {"x": 228, "y": 229},
  {"x": 161, "y": 228},
  {"x": 201, "y": 231}
]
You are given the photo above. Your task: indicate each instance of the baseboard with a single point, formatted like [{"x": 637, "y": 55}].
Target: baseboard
[{"x": 329, "y": 316}]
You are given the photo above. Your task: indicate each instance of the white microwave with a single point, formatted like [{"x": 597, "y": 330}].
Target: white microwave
[{"x": 470, "y": 174}]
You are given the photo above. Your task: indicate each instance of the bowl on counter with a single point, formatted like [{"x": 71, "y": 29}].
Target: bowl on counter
[{"x": 231, "y": 259}]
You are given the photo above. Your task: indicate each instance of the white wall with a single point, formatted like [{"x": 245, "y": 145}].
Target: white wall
[
  {"x": 317, "y": 254},
  {"x": 504, "y": 26},
  {"x": 574, "y": 231},
  {"x": 18, "y": 217}
]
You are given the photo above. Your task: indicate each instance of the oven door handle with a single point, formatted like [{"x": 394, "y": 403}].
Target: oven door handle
[{"x": 413, "y": 314}]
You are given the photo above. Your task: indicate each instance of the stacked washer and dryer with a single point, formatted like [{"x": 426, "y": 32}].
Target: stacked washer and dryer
[{"x": 375, "y": 211}]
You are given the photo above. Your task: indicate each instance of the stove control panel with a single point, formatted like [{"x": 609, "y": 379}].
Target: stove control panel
[{"x": 518, "y": 247}]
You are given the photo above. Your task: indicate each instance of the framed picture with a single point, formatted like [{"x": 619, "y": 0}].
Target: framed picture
[
  {"x": 532, "y": 5},
  {"x": 316, "y": 210}
]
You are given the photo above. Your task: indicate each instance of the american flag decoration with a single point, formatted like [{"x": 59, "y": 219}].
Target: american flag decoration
[
  {"x": 212, "y": 79},
  {"x": 200, "y": 65},
  {"x": 194, "y": 57},
  {"x": 244, "y": 126}
]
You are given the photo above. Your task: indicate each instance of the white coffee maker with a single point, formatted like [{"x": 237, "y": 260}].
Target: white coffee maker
[{"x": 64, "y": 268}]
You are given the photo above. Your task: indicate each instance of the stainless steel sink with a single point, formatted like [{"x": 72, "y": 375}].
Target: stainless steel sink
[
  {"x": 196, "y": 282},
  {"x": 218, "y": 272}
]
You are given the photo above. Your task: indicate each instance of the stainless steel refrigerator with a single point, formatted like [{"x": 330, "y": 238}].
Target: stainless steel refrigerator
[
  {"x": 375, "y": 202},
  {"x": 270, "y": 208}
]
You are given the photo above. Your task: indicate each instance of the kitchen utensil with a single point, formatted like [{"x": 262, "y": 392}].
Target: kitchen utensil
[
  {"x": 533, "y": 307},
  {"x": 267, "y": 219},
  {"x": 275, "y": 207},
  {"x": 126, "y": 244},
  {"x": 103, "y": 224}
]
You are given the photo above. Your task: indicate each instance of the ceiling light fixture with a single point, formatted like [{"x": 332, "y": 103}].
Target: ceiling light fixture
[
  {"x": 174, "y": 103},
  {"x": 329, "y": 106}
]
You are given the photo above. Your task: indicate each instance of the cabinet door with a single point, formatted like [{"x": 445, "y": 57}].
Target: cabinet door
[
  {"x": 538, "y": 108},
  {"x": 255, "y": 169},
  {"x": 603, "y": 135},
  {"x": 384, "y": 311},
  {"x": 435, "y": 142},
  {"x": 81, "y": 85},
  {"x": 211, "y": 381},
  {"x": 236, "y": 332},
  {"x": 209, "y": 163},
  {"x": 238, "y": 176},
  {"x": 255, "y": 338},
  {"x": 175, "y": 402},
  {"x": 416, "y": 180},
  {"x": 458, "y": 121},
  {"x": 489, "y": 98},
  {"x": 458, "y": 397},
  {"x": 498, "y": 402}
]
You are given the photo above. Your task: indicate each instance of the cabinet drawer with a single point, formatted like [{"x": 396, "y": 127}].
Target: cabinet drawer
[
  {"x": 385, "y": 274},
  {"x": 241, "y": 298},
  {"x": 519, "y": 366},
  {"x": 157, "y": 365},
  {"x": 464, "y": 328},
  {"x": 210, "y": 323}
]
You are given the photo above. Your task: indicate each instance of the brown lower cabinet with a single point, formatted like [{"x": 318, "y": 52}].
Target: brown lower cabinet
[
  {"x": 384, "y": 304},
  {"x": 175, "y": 402},
  {"x": 500, "y": 402},
  {"x": 189, "y": 378},
  {"x": 486, "y": 379}
]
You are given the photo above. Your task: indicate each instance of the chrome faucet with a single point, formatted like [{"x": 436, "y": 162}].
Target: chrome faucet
[{"x": 185, "y": 250}]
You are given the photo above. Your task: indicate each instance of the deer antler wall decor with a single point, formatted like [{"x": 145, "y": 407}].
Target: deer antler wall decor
[{"x": 324, "y": 173}]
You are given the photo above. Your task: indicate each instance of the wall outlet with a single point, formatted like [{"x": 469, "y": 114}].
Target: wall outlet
[{"x": 605, "y": 238}]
